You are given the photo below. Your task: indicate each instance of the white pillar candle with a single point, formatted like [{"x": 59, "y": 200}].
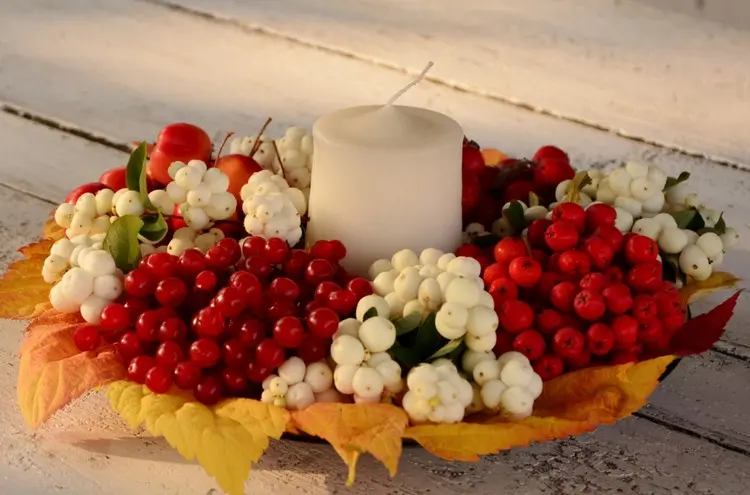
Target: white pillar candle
[{"x": 386, "y": 178}]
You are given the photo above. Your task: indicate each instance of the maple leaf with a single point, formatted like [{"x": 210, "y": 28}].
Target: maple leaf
[
  {"x": 225, "y": 439},
  {"x": 353, "y": 429},
  {"x": 695, "y": 290},
  {"x": 571, "y": 404},
  {"x": 700, "y": 333},
  {"x": 53, "y": 372},
  {"x": 23, "y": 292}
]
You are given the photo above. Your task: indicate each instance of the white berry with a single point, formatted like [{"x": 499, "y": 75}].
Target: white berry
[
  {"x": 637, "y": 169},
  {"x": 404, "y": 258},
  {"x": 378, "y": 267},
  {"x": 619, "y": 182},
  {"x": 343, "y": 376},
  {"x": 349, "y": 326},
  {"x": 647, "y": 227},
  {"x": 377, "y": 334},
  {"x": 76, "y": 285},
  {"x": 319, "y": 376},
  {"x": 483, "y": 343},
  {"x": 463, "y": 292},
  {"x": 516, "y": 373},
  {"x": 292, "y": 370},
  {"x": 129, "y": 203},
  {"x": 658, "y": 177},
  {"x": 416, "y": 407},
  {"x": 430, "y": 294},
  {"x": 518, "y": 402},
  {"x": 430, "y": 256},
  {"x": 464, "y": 266},
  {"x": 730, "y": 238},
  {"x": 108, "y": 287},
  {"x": 91, "y": 309},
  {"x": 299, "y": 396},
  {"x": 367, "y": 383},
  {"x": 64, "y": 214},
  {"x": 98, "y": 262},
  {"x": 665, "y": 220},
  {"x": 390, "y": 372},
  {"x": 710, "y": 243},
  {"x": 482, "y": 321},
  {"x": 177, "y": 194},
  {"x": 486, "y": 370},
  {"x": 384, "y": 282},
  {"x": 406, "y": 285},
  {"x": 188, "y": 178},
  {"x": 60, "y": 302},
  {"x": 178, "y": 246},
  {"x": 347, "y": 350},
  {"x": 492, "y": 392},
  {"x": 372, "y": 301},
  {"x": 673, "y": 240},
  {"x": 624, "y": 220},
  {"x": 471, "y": 359}
]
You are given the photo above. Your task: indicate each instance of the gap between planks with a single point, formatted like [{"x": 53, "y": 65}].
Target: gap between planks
[{"x": 451, "y": 84}]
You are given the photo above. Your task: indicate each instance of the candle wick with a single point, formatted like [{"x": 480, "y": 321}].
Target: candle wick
[{"x": 416, "y": 81}]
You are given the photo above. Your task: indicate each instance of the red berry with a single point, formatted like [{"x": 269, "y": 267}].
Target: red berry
[
  {"x": 249, "y": 285},
  {"x": 191, "y": 263},
  {"x": 589, "y": 305},
  {"x": 579, "y": 361},
  {"x": 139, "y": 283},
  {"x": 625, "y": 329},
  {"x": 322, "y": 249},
  {"x": 312, "y": 306},
  {"x": 600, "y": 214},
  {"x": 258, "y": 266},
  {"x": 319, "y": 270},
  {"x": 324, "y": 290},
  {"x": 162, "y": 265},
  {"x": 147, "y": 325},
  {"x": 472, "y": 161},
  {"x": 232, "y": 247},
  {"x": 206, "y": 281},
  {"x": 322, "y": 322},
  {"x": 668, "y": 303},
  {"x": 536, "y": 231},
  {"x": 288, "y": 332},
  {"x": 593, "y": 281},
  {"x": 550, "y": 152},
  {"x": 494, "y": 272},
  {"x": 504, "y": 343},
  {"x": 187, "y": 374},
  {"x": 525, "y": 271},
  {"x": 87, "y": 338},
  {"x": 548, "y": 321},
  {"x": 253, "y": 246},
  {"x": 600, "y": 339},
  {"x": 540, "y": 256},
  {"x": 229, "y": 302},
  {"x": 518, "y": 190},
  {"x": 618, "y": 298},
  {"x": 515, "y": 316},
  {"x": 136, "y": 306},
  {"x": 645, "y": 276},
  {"x": 235, "y": 354},
  {"x": 138, "y": 367},
  {"x": 313, "y": 349},
  {"x": 640, "y": 249},
  {"x": 650, "y": 331},
  {"x": 280, "y": 309},
  {"x": 546, "y": 283},
  {"x": 549, "y": 367},
  {"x": 115, "y": 318},
  {"x": 568, "y": 342},
  {"x": 468, "y": 251},
  {"x": 530, "y": 343},
  {"x": 338, "y": 250},
  {"x": 614, "y": 275},
  {"x": 219, "y": 259},
  {"x": 570, "y": 212},
  {"x": 209, "y": 322},
  {"x": 251, "y": 331},
  {"x": 294, "y": 266},
  {"x": 129, "y": 346},
  {"x": 208, "y": 391},
  {"x": 269, "y": 354},
  {"x": 277, "y": 250},
  {"x": 562, "y": 296},
  {"x": 623, "y": 358},
  {"x": 551, "y": 171},
  {"x": 360, "y": 286},
  {"x": 172, "y": 329},
  {"x": 171, "y": 291},
  {"x": 673, "y": 322},
  {"x": 611, "y": 235},
  {"x": 343, "y": 302},
  {"x": 600, "y": 252},
  {"x": 234, "y": 381},
  {"x": 168, "y": 354},
  {"x": 503, "y": 289},
  {"x": 509, "y": 249},
  {"x": 574, "y": 262},
  {"x": 644, "y": 308},
  {"x": 283, "y": 289},
  {"x": 256, "y": 372},
  {"x": 561, "y": 236},
  {"x": 205, "y": 352}
]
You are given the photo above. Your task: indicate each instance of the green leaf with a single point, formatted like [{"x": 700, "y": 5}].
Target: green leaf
[
  {"x": 514, "y": 214},
  {"x": 121, "y": 242},
  {"x": 369, "y": 314},
  {"x": 684, "y": 217},
  {"x": 135, "y": 175},
  {"x": 585, "y": 181},
  {"x": 428, "y": 338},
  {"x": 673, "y": 181},
  {"x": 154, "y": 227},
  {"x": 407, "y": 323},
  {"x": 696, "y": 223},
  {"x": 670, "y": 267},
  {"x": 486, "y": 241},
  {"x": 721, "y": 225},
  {"x": 533, "y": 199},
  {"x": 407, "y": 357},
  {"x": 447, "y": 349}
]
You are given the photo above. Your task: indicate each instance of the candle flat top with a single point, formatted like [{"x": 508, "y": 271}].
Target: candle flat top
[{"x": 389, "y": 126}]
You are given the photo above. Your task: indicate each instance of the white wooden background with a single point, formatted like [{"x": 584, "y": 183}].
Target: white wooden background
[{"x": 606, "y": 80}]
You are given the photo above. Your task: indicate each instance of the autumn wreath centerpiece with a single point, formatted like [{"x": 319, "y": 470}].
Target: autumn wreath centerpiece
[{"x": 193, "y": 288}]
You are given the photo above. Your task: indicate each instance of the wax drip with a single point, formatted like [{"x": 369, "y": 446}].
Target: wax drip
[{"x": 406, "y": 88}]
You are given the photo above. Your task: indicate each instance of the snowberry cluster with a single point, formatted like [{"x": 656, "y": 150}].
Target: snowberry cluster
[
  {"x": 186, "y": 238},
  {"x": 296, "y": 153},
  {"x": 364, "y": 369},
  {"x": 298, "y": 385},
  {"x": 90, "y": 215},
  {"x": 272, "y": 208},
  {"x": 64, "y": 254},
  {"x": 265, "y": 155},
  {"x": 91, "y": 284},
  {"x": 437, "y": 393},
  {"x": 440, "y": 283},
  {"x": 508, "y": 383},
  {"x": 200, "y": 192}
]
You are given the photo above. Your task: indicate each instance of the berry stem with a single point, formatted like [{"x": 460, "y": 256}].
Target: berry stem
[
  {"x": 278, "y": 157},
  {"x": 223, "y": 143},
  {"x": 256, "y": 145}
]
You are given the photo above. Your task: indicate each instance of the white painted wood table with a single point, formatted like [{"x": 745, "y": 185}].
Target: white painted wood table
[{"x": 80, "y": 79}]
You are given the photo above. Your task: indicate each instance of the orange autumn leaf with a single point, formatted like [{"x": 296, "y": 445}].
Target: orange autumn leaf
[
  {"x": 695, "y": 290},
  {"x": 354, "y": 429},
  {"x": 23, "y": 292},
  {"x": 571, "y": 404},
  {"x": 493, "y": 156},
  {"x": 52, "y": 231},
  {"x": 53, "y": 372}
]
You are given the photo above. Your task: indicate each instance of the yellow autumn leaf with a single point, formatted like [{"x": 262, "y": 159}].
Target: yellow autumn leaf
[
  {"x": 53, "y": 372},
  {"x": 356, "y": 428},
  {"x": 694, "y": 290},
  {"x": 493, "y": 157},
  {"x": 52, "y": 231},
  {"x": 571, "y": 404},
  {"x": 23, "y": 292},
  {"x": 225, "y": 439}
]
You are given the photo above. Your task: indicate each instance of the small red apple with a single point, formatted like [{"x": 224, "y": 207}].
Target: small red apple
[
  {"x": 115, "y": 178},
  {"x": 91, "y": 187},
  {"x": 238, "y": 168},
  {"x": 177, "y": 142}
]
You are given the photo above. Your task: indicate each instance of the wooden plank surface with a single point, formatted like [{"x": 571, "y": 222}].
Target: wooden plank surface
[{"x": 659, "y": 75}]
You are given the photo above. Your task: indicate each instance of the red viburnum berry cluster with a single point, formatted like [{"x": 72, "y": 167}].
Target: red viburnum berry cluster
[
  {"x": 581, "y": 293},
  {"x": 220, "y": 323}
]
